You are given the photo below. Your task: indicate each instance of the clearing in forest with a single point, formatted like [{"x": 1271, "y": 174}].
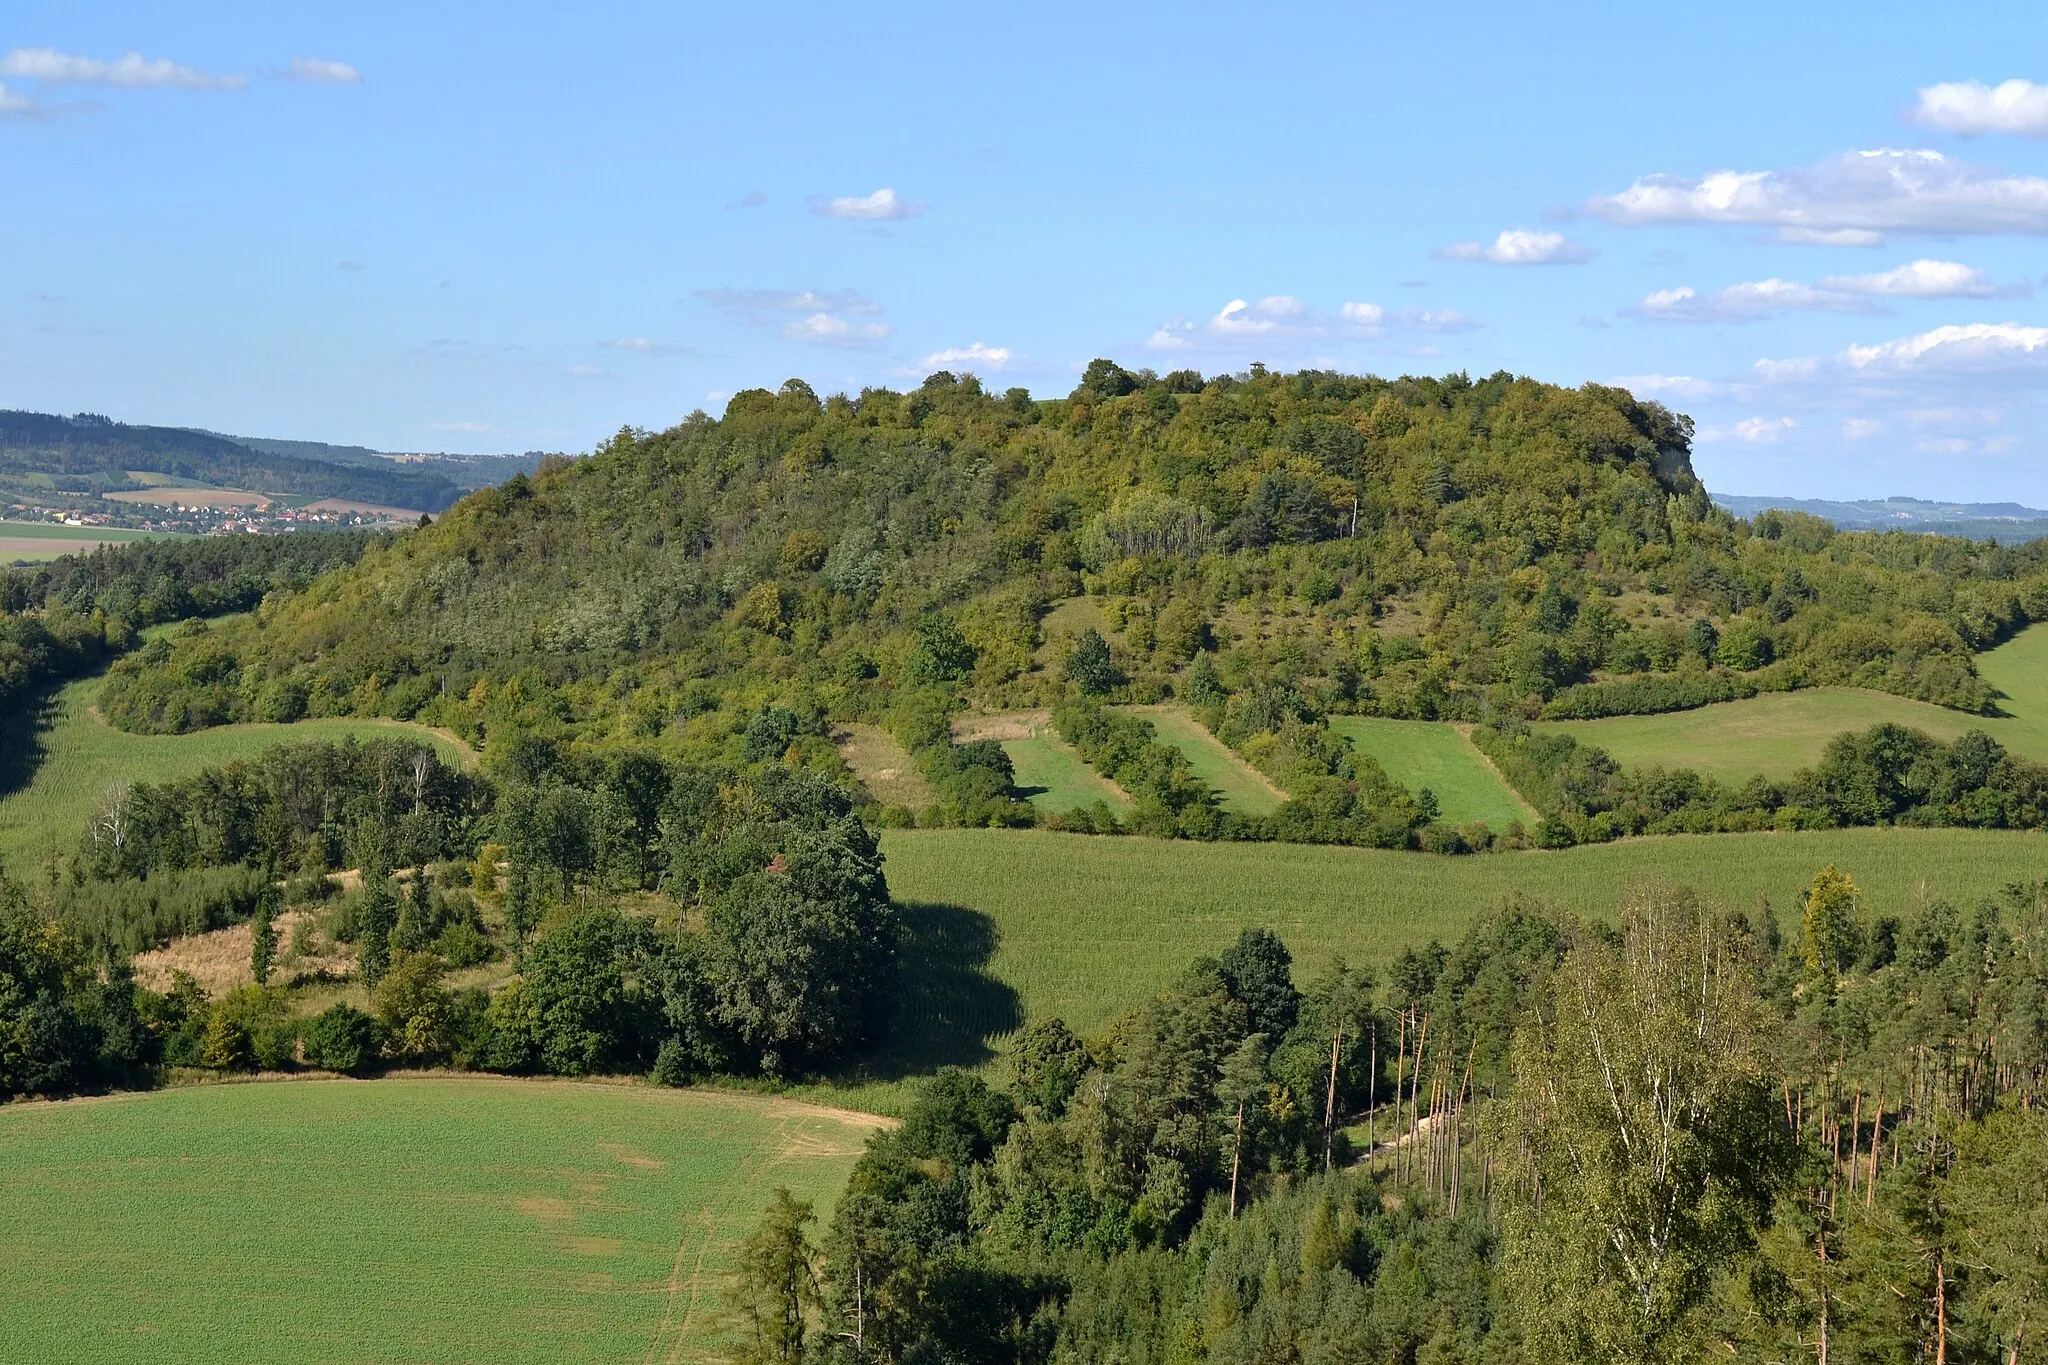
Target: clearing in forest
[
  {"x": 1778, "y": 733},
  {"x": 418, "y": 1219},
  {"x": 882, "y": 766},
  {"x": 58, "y": 759},
  {"x": 1243, "y": 788},
  {"x": 1049, "y": 774},
  {"x": 1423, "y": 753}
]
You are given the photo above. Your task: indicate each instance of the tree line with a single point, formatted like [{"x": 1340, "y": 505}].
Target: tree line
[{"x": 1688, "y": 1135}]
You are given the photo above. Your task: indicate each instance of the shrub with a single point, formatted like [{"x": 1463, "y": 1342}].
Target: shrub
[{"x": 343, "y": 1039}]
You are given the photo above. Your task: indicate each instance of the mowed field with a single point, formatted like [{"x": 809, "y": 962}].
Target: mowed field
[
  {"x": 1053, "y": 777},
  {"x": 1780, "y": 732},
  {"x": 1421, "y": 753},
  {"x": 77, "y": 757},
  {"x": 405, "y": 1219},
  {"x": 1083, "y": 926},
  {"x": 39, "y": 541},
  {"x": 1242, "y": 787}
]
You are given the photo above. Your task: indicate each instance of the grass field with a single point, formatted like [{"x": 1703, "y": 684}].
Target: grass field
[
  {"x": 37, "y": 541},
  {"x": 1242, "y": 787},
  {"x": 414, "y": 1220},
  {"x": 1421, "y": 753},
  {"x": 1780, "y": 732},
  {"x": 1083, "y": 926},
  {"x": 881, "y": 765},
  {"x": 1054, "y": 777},
  {"x": 56, "y": 761}
]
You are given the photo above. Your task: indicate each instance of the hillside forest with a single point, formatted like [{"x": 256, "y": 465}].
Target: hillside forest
[{"x": 1268, "y": 549}]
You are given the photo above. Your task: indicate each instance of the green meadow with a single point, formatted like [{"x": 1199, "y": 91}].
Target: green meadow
[
  {"x": 400, "y": 1220},
  {"x": 1237, "y": 782},
  {"x": 57, "y": 759},
  {"x": 1778, "y": 733},
  {"x": 1421, "y": 753},
  {"x": 1055, "y": 778},
  {"x": 1034, "y": 923}
]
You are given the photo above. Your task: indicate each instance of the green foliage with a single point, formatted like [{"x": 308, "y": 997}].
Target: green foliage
[
  {"x": 775, "y": 1287},
  {"x": 1088, "y": 666},
  {"x": 342, "y": 1038}
]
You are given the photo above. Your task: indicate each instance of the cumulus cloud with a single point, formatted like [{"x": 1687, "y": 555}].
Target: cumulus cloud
[
  {"x": 1972, "y": 108},
  {"x": 130, "y": 72},
  {"x": 18, "y": 106},
  {"x": 470, "y": 427},
  {"x": 1869, "y": 192},
  {"x": 1520, "y": 246},
  {"x": 987, "y": 357},
  {"x": 1861, "y": 428},
  {"x": 1800, "y": 236},
  {"x": 1238, "y": 318},
  {"x": 1951, "y": 359},
  {"x": 1364, "y": 314},
  {"x": 829, "y": 329},
  {"x": 315, "y": 71},
  {"x": 1283, "y": 325},
  {"x": 882, "y": 205},
  {"x": 1924, "y": 279}
]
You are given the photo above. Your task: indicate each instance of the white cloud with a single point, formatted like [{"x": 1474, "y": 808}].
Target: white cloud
[
  {"x": 882, "y": 205},
  {"x": 645, "y": 346},
  {"x": 1750, "y": 431},
  {"x": 1972, "y": 107},
  {"x": 1861, "y": 428},
  {"x": 17, "y": 105},
  {"x": 1924, "y": 279},
  {"x": 1447, "y": 320},
  {"x": 471, "y": 427},
  {"x": 315, "y": 71},
  {"x": 584, "y": 372},
  {"x": 1680, "y": 386},
  {"x": 1520, "y": 246},
  {"x": 1238, "y": 318},
  {"x": 1866, "y": 192},
  {"x": 758, "y": 304},
  {"x": 827, "y": 329},
  {"x": 1748, "y": 302},
  {"x": 1972, "y": 346},
  {"x": 991, "y": 357},
  {"x": 130, "y": 72},
  {"x": 1798, "y": 236},
  {"x": 1282, "y": 325}
]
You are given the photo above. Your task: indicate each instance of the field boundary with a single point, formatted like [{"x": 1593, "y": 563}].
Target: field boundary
[{"x": 1464, "y": 729}]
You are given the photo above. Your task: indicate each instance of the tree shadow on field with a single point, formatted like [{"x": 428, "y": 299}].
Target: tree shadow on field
[
  {"x": 21, "y": 739},
  {"x": 948, "y": 1006}
]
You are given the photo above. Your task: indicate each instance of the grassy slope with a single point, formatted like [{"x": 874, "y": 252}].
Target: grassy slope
[
  {"x": 1240, "y": 785},
  {"x": 1080, "y": 926},
  {"x": 447, "y": 1219},
  {"x": 1057, "y": 778},
  {"x": 77, "y": 758},
  {"x": 1780, "y": 732},
  {"x": 1420, "y": 753}
]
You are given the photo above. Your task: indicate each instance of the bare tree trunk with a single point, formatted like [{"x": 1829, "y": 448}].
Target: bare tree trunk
[
  {"x": 1330, "y": 1101},
  {"x": 1855, "y": 1136},
  {"x": 1236, "y": 1151},
  {"x": 1823, "y": 1299},
  {"x": 1372, "y": 1100},
  {"x": 1415, "y": 1097},
  {"x": 1940, "y": 1311},
  {"x": 1876, "y": 1141},
  {"x": 1400, "y": 1072}
]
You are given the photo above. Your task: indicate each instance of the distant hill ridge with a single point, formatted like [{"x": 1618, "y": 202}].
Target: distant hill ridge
[
  {"x": 2009, "y": 523},
  {"x": 88, "y": 446}
]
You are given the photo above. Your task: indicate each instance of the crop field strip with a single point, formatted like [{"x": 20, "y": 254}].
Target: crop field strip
[
  {"x": 39, "y": 541},
  {"x": 1055, "y": 778},
  {"x": 1421, "y": 753},
  {"x": 82, "y": 756},
  {"x": 1242, "y": 787},
  {"x": 407, "y": 1219},
  {"x": 1082, "y": 926},
  {"x": 1780, "y": 732}
]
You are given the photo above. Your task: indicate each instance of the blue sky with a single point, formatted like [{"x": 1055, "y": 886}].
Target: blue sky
[{"x": 1820, "y": 230}]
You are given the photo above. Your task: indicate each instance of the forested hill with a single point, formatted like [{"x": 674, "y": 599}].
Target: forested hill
[
  {"x": 93, "y": 447},
  {"x": 1418, "y": 547}
]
